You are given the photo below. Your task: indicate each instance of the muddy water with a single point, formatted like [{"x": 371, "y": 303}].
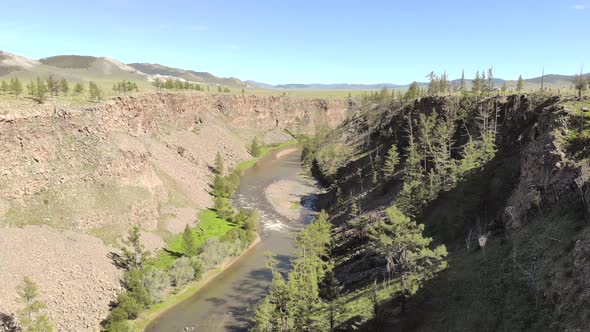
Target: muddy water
[{"x": 228, "y": 302}]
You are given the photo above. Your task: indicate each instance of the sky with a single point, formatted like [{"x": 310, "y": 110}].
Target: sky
[{"x": 304, "y": 41}]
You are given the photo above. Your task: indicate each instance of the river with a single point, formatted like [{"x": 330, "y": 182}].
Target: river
[{"x": 228, "y": 302}]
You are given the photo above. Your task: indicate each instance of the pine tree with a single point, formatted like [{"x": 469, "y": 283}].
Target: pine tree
[
  {"x": 189, "y": 245},
  {"x": 95, "y": 92},
  {"x": 478, "y": 83},
  {"x": 391, "y": 162},
  {"x": 255, "y": 148},
  {"x": 413, "y": 91},
  {"x": 31, "y": 88},
  {"x": 218, "y": 167},
  {"x": 30, "y": 316},
  {"x": 490, "y": 84},
  {"x": 462, "y": 80},
  {"x": 4, "y": 88},
  {"x": 519, "y": 84},
  {"x": 78, "y": 88},
  {"x": 16, "y": 87},
  {"x": 407, "y": 252},
  {"x": 40, "y": 91},
  {"x": 133, "y": 253},
  {"x": 64, "y": 87},
  {"x": 52, "y": 85},
  {"x": 580, "y": 84}
]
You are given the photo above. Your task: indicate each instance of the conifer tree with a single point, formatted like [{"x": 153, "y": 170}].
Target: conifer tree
[
  {"x": 519, "y": 84},
  {"x": 40, "y": 91},
  {"x": 133, "y": 253},
  {"x": 64, "y": 87},
  {"x": 189, "y": 245},
  {"x": 580, "y": 84},
  {"x": 218, "y": 167},
  {"x": 391, "y": 162},
  {"x": 16, "y": 87},
  {"x": 78, "y": 88},
  {"x": 52, "y": 85},
  {"x": 30, "y": 316},
  {"x": 413, "y": 91},
  {"x": 255, "y": 148},
  {"x": 4, "y": 88},
  {"x": 406, "y": 251},
  {"x": 462, "y": 87}
]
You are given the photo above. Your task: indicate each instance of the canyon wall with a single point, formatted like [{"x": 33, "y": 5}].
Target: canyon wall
[{"x": 98, "y": 170}]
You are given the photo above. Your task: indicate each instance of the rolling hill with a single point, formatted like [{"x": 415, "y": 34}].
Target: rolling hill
[{"x": 84, "y": 68}]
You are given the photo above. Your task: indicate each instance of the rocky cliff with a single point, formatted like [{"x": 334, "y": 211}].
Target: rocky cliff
[
  {"x": 530, "y": 202},
  {"x": 98, "y": 170}
]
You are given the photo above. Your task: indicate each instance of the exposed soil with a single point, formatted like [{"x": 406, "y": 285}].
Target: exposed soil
[{"x": 76, "y": 278}]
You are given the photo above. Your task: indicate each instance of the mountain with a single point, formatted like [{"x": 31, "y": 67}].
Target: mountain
[
  {"x": 71, "y": 67},
  {"x": 337, "y": 86},
  {"x": 189, "y": 75}
]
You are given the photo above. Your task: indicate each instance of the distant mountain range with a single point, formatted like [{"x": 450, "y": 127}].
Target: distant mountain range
[{"x": 76, "y": 67}]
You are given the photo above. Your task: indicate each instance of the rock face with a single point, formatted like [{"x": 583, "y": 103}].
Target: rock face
[
  {"x": 137, "y": 160},
  {"x": 531, "y": 203}
]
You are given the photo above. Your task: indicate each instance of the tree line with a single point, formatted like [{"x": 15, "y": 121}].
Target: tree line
[
  {"x": 40, "y": 89},
  {"x": 177, "y": 84}
]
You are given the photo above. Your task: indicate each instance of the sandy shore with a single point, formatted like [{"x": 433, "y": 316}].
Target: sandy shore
[{"x": 285, "y": 197}]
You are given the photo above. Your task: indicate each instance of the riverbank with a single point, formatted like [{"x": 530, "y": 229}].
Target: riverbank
[
  {"x": 157, "y": 310},
  {"x": 150, "y": 315}
]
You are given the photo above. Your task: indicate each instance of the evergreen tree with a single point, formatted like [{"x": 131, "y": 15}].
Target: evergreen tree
[
  {"x": 189, "y": 245},
  {"x": 52, "y": 85},
  {"x": 78, "y": 88},
  {"x": 391, "y": 162},
  {"x": 64, "y": 87},
  {"x": 255, "y": 148},
  {"x": 407, "y": 252},
  {"x": 413, "y": 91},
  {"x": 490, "y": 85},
  {"x": 4, "y": 88},
  {"x": 40, "y": 91},
  {"x": 95, "y": 91},
  {"x": 31, "y": 88},
  {"x": 462, "y": 80},
  {"x": 16, "y": 87},
  {"x": 580, "y": 84},
  {"x": 133, "y": 253},
  {"x": 157, "y": 83},
  {"x": 218, "y": 167},
  {"x": 478, "y": 83},
  {"x": 30, "y": 316},
  {"x": 519, "y": 84}
]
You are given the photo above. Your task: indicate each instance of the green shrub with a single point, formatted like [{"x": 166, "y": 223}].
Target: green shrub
[
  {"x": 129, "y": 305},
  {"x": 155, "y": 281},
  {"x": 198, "y": 267},
  {"x": 182, "y": 272}
]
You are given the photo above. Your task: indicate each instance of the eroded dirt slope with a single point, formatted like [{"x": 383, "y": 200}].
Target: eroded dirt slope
[{"x": 138, "y": 160}]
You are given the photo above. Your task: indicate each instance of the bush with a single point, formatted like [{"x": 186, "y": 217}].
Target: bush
[
  {"x": 129, "y": 305},
  {"x": 198, "y": 267},
  {"x": 182, "y": 272},
  {"x": 135, "y": 289},
  {"x": 155, "y": 281},
  {"x": 215, "y": 251}
]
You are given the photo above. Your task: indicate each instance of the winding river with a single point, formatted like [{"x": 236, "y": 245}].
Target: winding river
[{"x": 274, "y": 187}]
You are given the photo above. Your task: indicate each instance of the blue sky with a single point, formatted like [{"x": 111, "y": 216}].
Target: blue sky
[{"x": 304, "y": 41}]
